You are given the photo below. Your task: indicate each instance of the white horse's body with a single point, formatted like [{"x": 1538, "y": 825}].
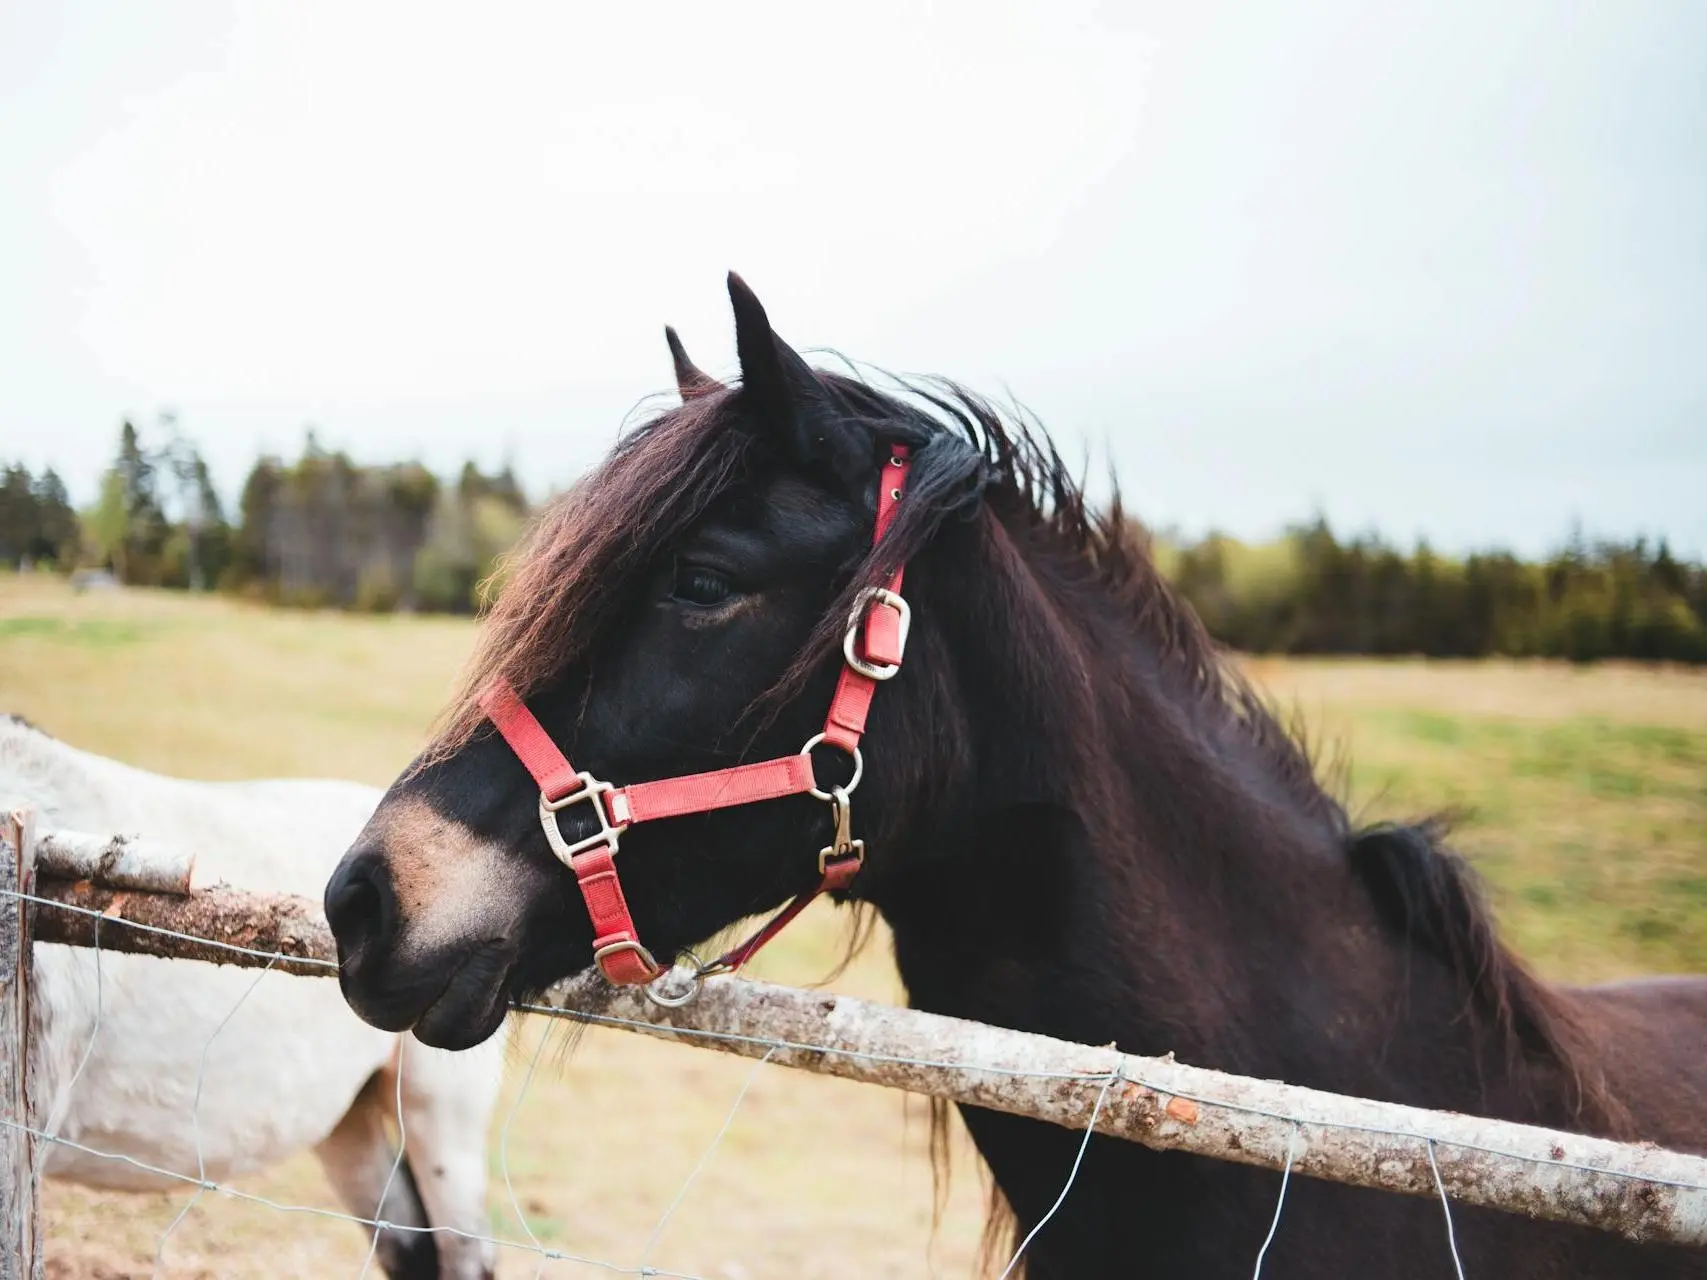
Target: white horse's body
[{"x": 283, "y": 1063}]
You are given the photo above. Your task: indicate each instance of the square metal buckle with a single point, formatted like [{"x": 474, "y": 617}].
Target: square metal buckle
[
  {"x": 624, "y": 944},
  {"x": 608, "y": 834},
  {"x": 856, "y": 619}
]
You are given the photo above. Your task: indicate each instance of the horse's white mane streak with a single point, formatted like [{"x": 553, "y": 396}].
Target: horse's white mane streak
[{"x": 292, "y": 1068}]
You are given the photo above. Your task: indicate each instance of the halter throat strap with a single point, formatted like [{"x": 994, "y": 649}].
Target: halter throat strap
[{"x": 872, "y": 652}]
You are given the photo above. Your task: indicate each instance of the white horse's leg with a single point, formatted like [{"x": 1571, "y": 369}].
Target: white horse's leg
[
  {"x": 358, "y": 1158},
  {"x": 448, "y": 1101}
]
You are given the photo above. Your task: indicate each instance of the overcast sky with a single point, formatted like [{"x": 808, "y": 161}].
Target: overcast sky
[{"x": 1435, "y": 269}]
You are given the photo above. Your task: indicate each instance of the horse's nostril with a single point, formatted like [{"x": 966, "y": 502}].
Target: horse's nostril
[{"x": 358, "y": 901}]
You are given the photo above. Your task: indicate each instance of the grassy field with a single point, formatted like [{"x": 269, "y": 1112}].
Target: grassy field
[{"x": 1585, "y": 795}]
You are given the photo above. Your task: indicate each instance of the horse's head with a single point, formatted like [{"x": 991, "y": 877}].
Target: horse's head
[{"x": 682, "y": 610}]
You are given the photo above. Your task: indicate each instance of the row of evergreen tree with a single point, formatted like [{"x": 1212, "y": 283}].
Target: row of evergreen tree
[
  {"x": 325, "y": 531},
  {"x": 1316, "y": 594},
  {"x": 37, "y": 521},
  {"x": 320, "y": 531}
]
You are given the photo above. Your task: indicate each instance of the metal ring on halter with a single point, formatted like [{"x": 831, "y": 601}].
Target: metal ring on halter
[
  {"x": 847, "y": 787},
  {"x": 696, "y": 982}
]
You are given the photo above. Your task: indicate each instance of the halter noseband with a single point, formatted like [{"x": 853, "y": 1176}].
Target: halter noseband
[{"x": 869, "y": 659}]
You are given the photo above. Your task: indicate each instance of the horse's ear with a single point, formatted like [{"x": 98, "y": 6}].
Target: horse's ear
[
  {"x": 789, "y": 399},
  {"x": 691, "y": 380}
]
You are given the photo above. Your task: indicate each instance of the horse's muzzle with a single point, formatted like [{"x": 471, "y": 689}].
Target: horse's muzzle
[{"x": 452, "y": 996}]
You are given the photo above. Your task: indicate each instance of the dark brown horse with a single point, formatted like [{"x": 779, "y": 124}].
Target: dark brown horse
[{"x": 1079, "y": 821}]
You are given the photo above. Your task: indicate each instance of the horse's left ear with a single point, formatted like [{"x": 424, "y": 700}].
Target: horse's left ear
[
  {"x": 691, "y": 380},
  {"x": 789, "y": 399}
]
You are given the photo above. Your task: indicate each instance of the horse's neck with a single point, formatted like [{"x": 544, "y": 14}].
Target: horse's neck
[
  {"x": 1125, "y": 867},
  {"x": 1148, "y": 916}
]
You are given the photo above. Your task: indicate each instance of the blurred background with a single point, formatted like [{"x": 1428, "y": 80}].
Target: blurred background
[{"x": 1390, "y": 323}]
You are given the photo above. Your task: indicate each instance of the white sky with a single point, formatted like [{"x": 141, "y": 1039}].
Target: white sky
[{"x": 1436, "y": 269}]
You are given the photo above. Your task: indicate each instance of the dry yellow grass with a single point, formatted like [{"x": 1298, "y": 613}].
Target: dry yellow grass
[{"x": 1588, "y": 792}]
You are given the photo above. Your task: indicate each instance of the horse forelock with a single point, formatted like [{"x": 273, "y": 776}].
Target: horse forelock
[{"x": 587, "y": 548}]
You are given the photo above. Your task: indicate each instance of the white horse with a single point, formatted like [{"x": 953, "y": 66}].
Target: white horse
[{"x": 124, "y": 1041}]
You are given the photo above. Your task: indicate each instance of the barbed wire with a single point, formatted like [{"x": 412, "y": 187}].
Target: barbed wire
[{"x": 379, "y": 1224}]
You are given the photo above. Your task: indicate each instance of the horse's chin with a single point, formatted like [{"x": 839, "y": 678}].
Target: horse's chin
[{"x": 472, "y": 1005}]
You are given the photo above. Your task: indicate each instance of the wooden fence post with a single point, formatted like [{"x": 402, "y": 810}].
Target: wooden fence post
[{"x": 20, "y": 1237}]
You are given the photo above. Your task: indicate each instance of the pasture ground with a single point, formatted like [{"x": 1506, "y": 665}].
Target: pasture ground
[{"x": 1585, "y": 801}]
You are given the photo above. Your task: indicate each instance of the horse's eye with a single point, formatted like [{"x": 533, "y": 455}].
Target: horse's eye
[{"x": 697, "y": 585}]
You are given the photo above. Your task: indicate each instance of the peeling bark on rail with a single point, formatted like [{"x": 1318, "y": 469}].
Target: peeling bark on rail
[
  {"x": 1633, "y": 1191},
  {"x": 274, "y": 923},
  {"x": 114, "y": 862},
  {"x": 1637, "y": 1191}
]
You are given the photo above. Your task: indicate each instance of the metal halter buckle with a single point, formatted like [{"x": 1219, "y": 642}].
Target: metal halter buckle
[
  {"x": 621, "y": 945},
  {"x": 591, "y": 789},
  {"x": 863, "y": 601}
]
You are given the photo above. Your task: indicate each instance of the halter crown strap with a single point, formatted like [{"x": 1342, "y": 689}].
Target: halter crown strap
[{"x": 876, "y": 640}]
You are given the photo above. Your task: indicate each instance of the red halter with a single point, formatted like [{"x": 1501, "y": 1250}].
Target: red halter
[{"x": 881, "y": 614}]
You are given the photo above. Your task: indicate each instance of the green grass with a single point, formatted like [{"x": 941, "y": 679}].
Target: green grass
[
  {"x": 1583, "y": 804},
  {"x": 1590, "y": 832},
  {"x": 98, "y": 633}
]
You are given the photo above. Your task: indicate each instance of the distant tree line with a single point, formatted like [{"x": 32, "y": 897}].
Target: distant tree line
[
  {"x": 37, "y": 522},
  {"x": 1314, "y": 594},
  {"x": 321, "y": 531},
  {"x": 324, "y": 531}
]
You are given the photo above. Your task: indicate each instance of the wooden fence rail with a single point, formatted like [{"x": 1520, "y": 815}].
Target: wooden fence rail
[{"x": 1635, "y": 1190}]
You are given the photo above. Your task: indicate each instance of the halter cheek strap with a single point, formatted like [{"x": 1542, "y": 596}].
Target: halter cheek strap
[{"x": 872, "y": 650}]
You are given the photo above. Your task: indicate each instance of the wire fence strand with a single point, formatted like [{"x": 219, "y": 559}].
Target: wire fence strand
[
  {"x": 196, "y": 1113},
  {"x": 1279, "y": 1205},
  {"x": 1446, "y": 1208},
  {"x": 391, "y": 1174},
  {"x": 1072, "y": 1177}
]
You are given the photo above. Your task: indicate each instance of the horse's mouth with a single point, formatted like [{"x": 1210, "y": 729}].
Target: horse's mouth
[{"x": 473, "y": 1002}]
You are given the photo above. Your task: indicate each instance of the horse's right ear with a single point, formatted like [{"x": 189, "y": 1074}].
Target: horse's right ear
[{"x": 787, "y": 397}]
